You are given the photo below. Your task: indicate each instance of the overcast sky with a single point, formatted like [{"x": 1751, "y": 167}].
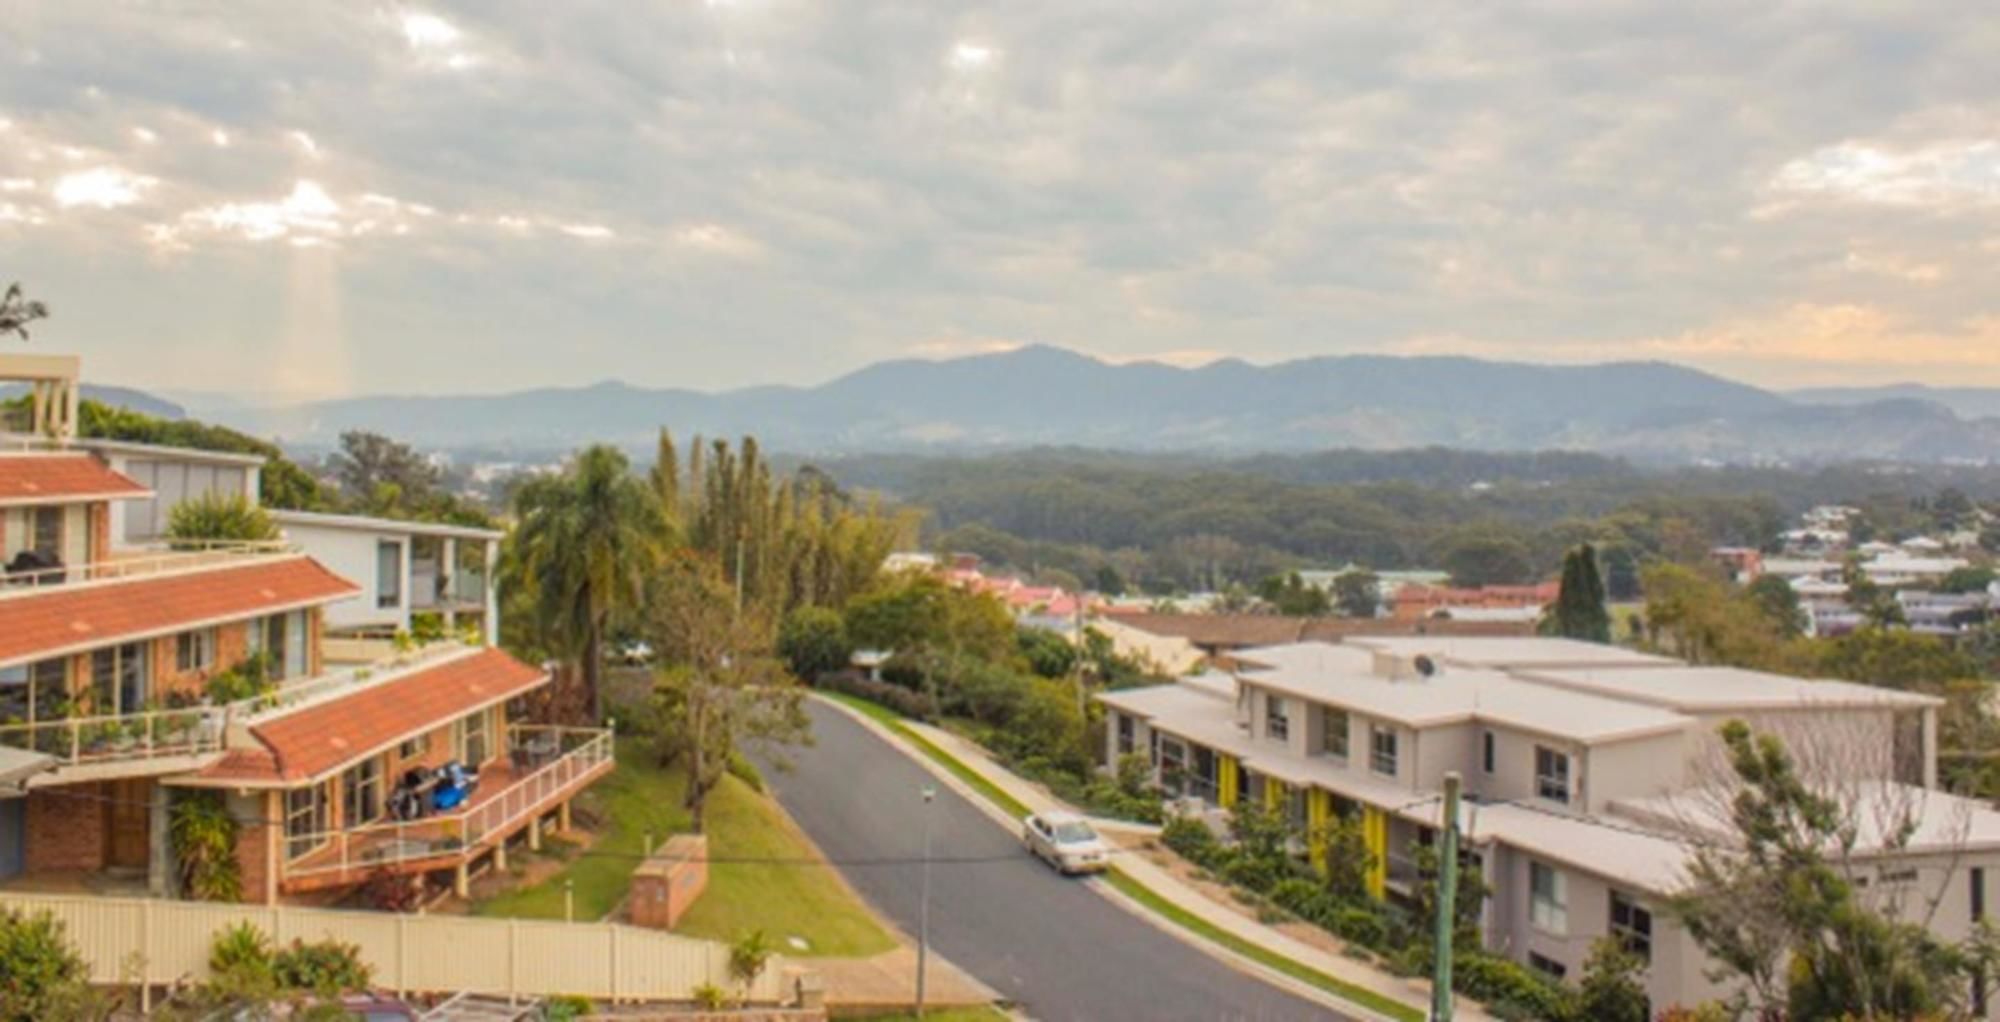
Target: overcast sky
[{"x": 327, "y": 198}]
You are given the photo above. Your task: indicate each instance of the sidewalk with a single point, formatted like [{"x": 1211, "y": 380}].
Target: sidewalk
[{"x": 1168, "y": 887}]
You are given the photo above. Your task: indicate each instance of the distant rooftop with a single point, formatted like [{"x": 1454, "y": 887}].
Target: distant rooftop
[
  {"x": 1512, "y": 654},
  {"x": 366, "y": 523}
]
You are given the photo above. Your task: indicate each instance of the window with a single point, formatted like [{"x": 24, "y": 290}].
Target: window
[
  {"x": 1632, "y": 924},
  {"x": 1547, "y": 966},
  {"x": 1486, "y": 751},
  {"x": 1978, "y": 880},
  {"x": 1551, "y": 774},
  {"x": 37, "y": 691},
  {"x": 1125, "y": 740},
  {"x": 1333, "y": 731},
  {"x": 45, "y": 528},
  {"x": 1548, "y": 901},
  {"x": 1382, "y": 750},
  {"x": 194, "y": 651},
  {"x": 361, "y": 793},
  {"x": 1276, "y": 723},
  {"x": 281, "y": 639},
  {"x": 306, "y": 821},
  {"x": 388, "y": 574},
  {"x": 414, "y": 748},
  {"x": 118, "y": 680},
  {"x": 471, "y": 742}
]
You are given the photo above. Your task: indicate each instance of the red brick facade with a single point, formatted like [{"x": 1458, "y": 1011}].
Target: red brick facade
[{"x": 66, "y": 828}]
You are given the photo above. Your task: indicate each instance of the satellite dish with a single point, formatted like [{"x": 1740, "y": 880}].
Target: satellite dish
[{"x": 1425, "y": 666}]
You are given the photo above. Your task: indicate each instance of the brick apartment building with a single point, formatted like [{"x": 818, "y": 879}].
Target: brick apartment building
[{"x": 134, "y": 673}]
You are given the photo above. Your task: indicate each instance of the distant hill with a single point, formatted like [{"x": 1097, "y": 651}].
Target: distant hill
[
  {"x": 121, "y": 397},
  {"x": 1970, "y": 402},
  {"x": 1039, "y": 396}
]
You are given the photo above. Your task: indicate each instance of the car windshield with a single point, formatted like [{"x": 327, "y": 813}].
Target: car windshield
[{"x": 1074, "y": 832}]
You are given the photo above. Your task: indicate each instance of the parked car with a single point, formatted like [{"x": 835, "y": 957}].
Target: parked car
[{"x": 1067, "y": 842}]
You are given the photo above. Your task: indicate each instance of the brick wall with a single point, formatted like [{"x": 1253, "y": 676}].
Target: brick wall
[
  {"x": 66, "y": 828},
  {"x": 253, "y": 841},
  {"x": 232, "y": 646},
  {"x": 99, "y": 515}
]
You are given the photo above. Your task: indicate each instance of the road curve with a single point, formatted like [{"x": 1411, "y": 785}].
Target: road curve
[{"x": 1052, "y": 945}]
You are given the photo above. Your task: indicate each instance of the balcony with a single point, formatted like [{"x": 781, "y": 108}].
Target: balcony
[
  {"x": 128, "y": 744},
  {"x": 549, "y": 765},
  {"x": 459, "y": 590},
  {"x": 187, "y": 556},
  {"x": 291, "y": 695}
]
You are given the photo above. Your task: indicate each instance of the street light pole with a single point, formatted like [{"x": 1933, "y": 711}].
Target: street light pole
[
  {"x": 1447, "y": 901},
  {"x": 924, "y": 902}
]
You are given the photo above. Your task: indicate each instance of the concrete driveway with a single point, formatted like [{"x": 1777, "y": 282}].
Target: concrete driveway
[{"x": 1050, "y": 944}]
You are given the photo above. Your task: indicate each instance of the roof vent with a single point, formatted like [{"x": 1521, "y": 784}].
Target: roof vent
[{"x": 1426, "y": 666}]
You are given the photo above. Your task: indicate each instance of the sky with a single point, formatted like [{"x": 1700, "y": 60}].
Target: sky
[{"x": 292, "y": 200}]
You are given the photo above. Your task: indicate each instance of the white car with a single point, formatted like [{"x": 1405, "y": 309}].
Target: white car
[{"x": 1066, "y": 841}]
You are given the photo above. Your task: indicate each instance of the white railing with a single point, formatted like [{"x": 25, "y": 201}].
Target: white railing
[
  {"x": 154, "y": 734},
  {"x": 291, "y": 694},
  {"x": 463, "y": 834},
  {"x": 133, "y": 940},
  {"x": 192, "y": 555}
]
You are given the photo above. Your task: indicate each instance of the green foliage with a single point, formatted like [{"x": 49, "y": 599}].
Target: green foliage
[
  {"x": 1893, "y": 657},
  {"x": 1613, "y": 987},
  {"x": 1579, "y": 611},
  {"x": 213, "y": 516},
  {"x": 248, "y": 679},
  {"x": 905, "y": 701},
  {"x": 1192, "y": 840},
  {"x": 585, "y": 543},
  {"x": 568, "y": 1008},
  {"x": 813, "y": 641},
  {"x": 1288, "y": 594},
  {"x": 1485, "y": 555},
  {"x": 282, "y": 482},
  {"x": 1971, "y": 579},
  {"x": 240, "y": 962},
  {"x": 1513, "y": 990},
  {"x": 1048, "y": 654},
  {"x": 203, "y": 835},
  {"x": 328, "y": 968},
  {"x": 747, "y": 958},
  {"x": 1262, "y": 855},
  {"x": 709, "y": 997},
  {"x": 41, "y": 973},
  {"x": 1344, "y": 847},
  {"x": 1357, "y": 593},
  {"x": 1780, "y": 605}
]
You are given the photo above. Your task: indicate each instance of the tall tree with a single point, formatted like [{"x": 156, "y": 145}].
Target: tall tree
[
  {"x": 367, "y": 462},
  {"x": 586, "y": 541},
  {"x": 1358, "y": 593},
  {"x": 1579, "y": 611},
  {"x": 723, "y": 688}
]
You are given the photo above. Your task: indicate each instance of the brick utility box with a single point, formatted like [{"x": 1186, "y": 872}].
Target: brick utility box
[{"x": 669, "y": 881}]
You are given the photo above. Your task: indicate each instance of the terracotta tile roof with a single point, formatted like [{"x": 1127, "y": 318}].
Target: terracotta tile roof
[
  {"x": 61, "y": 479},
  {"x": 248, "y": 765},
  {"x": 1238, "y": 631},
  {"x": 323, "y": 737},
  {"x": 72, "y": 618}
]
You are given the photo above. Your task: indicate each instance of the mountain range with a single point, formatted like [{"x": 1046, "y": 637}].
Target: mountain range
[{"x": 1650, "y": 411}]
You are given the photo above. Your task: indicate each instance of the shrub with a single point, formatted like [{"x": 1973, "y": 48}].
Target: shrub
[
  {"x": 908, "y": 702},
  {"x": 327, "y": 968},
  {"x": 743, "y": 770},
  {"x": 1192, "y": 840},
  {"x": 41, "y": 975},
  {"x": 1512, "y": 989},
  {"x": 747, "y": 958},
  {"x": 813, "y": 641},
  {"x": 214, "y": 516},
  {"x": 1300, "y": 897},
  {"x": 568, "y": 1008},
  {"x": 203, "y": 836},
  {"x": 1360, "y": 925},
  {"x": 709, "y": 997}
]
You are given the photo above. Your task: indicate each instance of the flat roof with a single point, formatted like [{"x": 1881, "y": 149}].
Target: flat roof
[
  {"x": 1512, "y": 653},
  {"x": 1940, "y": 821},
  {"x": 168, "y": 451},
  {"x": 365, "y": 523},
  {"x": 1345, "y": 676},
  {"x": 1718, "y": 689}
]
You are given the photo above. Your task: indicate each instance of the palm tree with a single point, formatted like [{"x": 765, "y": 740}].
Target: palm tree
[{"x": 587, "y": 540}]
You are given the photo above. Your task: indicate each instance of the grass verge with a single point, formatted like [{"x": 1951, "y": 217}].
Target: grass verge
[
  {"x": 1139, "y": 892},
  {"x": 1208, "y": 931},
  {"x": 777, "y": 885}
]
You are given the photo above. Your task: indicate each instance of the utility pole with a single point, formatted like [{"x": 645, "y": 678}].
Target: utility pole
[
  {"x": 924, "y": 902},
  {"x": 1447, "y": 898}
]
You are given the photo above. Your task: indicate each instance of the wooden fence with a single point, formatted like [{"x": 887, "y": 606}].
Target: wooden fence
[{"x": 134, "y": 940}]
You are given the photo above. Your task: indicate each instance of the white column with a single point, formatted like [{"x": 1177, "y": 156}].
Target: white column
[
  {"x": 448, "y": 570},
  {"x": 492, "y": 593}
]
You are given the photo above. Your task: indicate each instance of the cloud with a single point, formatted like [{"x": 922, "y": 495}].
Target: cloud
[{"x": 725, "y": 193}]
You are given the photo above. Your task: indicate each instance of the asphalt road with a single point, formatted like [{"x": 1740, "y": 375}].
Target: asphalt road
[{"x": 1049, "y": 943}]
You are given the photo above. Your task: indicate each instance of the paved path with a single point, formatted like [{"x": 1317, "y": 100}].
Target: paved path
[{"x": 1051, "y": 945}]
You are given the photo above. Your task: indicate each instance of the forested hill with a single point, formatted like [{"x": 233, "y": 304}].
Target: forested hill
[{"x": 1048, "y": 396}]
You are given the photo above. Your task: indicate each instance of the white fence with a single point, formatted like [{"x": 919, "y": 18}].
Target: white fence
[{"x": 134, "y": 940}]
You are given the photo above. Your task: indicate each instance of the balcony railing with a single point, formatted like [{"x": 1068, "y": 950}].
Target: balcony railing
[
  {"x": 559, "y": 760},
  {"x": 459, "y": 590},
  {"x": 77, "y": 741},
  {"x": 311, "y": 689},
  {"x": 188, "y": 556}
]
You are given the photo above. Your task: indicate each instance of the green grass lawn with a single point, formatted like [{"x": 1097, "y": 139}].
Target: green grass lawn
[{"x": 784, "y": 899}]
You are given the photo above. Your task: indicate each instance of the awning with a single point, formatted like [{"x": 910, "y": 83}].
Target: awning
[{"x": 18, "y": 766}]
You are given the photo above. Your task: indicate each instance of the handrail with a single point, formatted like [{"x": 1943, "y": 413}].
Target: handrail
[
  {"x": 289, "y": 695},
  {"x": 205, "y": 553},
  {"x": 121, "y": 737},
  {"x": 461, "y": 834}
]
